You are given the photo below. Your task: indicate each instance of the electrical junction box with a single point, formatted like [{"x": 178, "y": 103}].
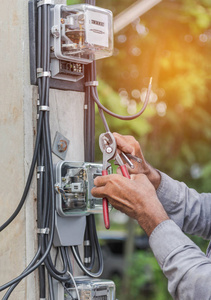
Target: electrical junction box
[
  {"x": 79, "y": 34},
  {"x": 74, "y": 181},
  {"x": 88, "y": 289}
]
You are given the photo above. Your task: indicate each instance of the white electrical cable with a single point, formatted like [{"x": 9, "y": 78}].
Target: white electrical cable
[{"x": 76, "y": 288}]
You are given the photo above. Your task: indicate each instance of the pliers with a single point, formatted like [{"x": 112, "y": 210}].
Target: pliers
[{"x": 108, "y": 147}]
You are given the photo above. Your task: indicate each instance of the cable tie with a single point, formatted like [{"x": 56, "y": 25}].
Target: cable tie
[
  {"x": 43, "y": 230},
  {"x": 41, "y": 73},
  {"x": 38, "y": 176},
  {"x": 87, "y": 260},
  {"x": 40, "y": 169},
  {"x": 85, "y": 106},
  {"x": 87, "y": 243},
  {"x": 44, "y": 108},
  {"x": 38, "y": 116},
  {"x": 45, "y": 2},
  {"x": 91, "y": 83},
  {"x": 38, "y": 102}
]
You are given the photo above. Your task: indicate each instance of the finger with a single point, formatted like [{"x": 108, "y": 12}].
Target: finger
[
  {"x": 98, "y": 192},
  {"x": 102, "y": 180},
  {"x": 123, "y": 143}
]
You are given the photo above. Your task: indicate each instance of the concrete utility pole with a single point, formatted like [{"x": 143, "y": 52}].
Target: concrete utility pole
[{"x": 18, "y": 102}]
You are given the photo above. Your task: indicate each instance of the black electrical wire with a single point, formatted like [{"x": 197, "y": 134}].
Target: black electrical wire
[
  {"x": 29, "y": 179},
  {"x": 98, "y": 250},
  {"x": 90, "y": 237},
  {"x": 43, "y": 116},
  {"x": 87, "y": 252},
  {"x": 51, "y": 292},
  {"x": 68, "y": 260}
]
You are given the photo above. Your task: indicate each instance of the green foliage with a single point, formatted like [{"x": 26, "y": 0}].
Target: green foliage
[
  {"x": 171, "y": 43},
  {"x": 111, "y": 100},
  {"x": 146, "y": 278},
  {"x": 174, "y": 48}
]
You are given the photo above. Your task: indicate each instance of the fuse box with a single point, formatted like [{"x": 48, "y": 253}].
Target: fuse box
[{"x": 74, "y": 181}]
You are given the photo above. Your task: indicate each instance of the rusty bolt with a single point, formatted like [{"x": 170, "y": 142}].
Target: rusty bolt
[{"x": 62, "y": 146}]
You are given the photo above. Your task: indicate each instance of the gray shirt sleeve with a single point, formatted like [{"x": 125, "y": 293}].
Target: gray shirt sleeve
[
  {"x": 187, "y": 268},
  {"x": 190, "y": 210}
]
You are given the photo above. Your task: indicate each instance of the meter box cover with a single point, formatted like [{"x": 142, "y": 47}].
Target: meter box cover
[
  {"x": 89, "y": 289},
  {"x": 82, "y": 32}
]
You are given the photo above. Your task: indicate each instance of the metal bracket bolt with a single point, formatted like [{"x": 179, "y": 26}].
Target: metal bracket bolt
[{"x": 62, "y": 145}]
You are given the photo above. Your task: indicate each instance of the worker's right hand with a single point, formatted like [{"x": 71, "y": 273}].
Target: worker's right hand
[
  {"x": 128, "y": 144},
  {"x": 136, "y": 197}
]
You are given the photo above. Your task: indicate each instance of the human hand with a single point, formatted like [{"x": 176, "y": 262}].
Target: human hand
[
  {"x": 136, "y": 197},
  {"x": 129, "y": 145}
]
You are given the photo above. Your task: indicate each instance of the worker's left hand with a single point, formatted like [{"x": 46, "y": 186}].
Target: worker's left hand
[
  {"x": 128, "y": 144},
  {"x": 136, "y": 197}
]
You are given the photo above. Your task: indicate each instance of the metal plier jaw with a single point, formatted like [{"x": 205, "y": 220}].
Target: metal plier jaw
[{"x": 108, "y": 147}]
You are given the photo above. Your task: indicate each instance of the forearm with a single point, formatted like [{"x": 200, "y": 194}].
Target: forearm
[
  {"x": 188, "y": 209},
  {"x": 187, "y": 269}
]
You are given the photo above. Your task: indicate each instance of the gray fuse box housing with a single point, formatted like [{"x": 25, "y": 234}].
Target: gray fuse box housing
[{"x": 74, "y": 181}]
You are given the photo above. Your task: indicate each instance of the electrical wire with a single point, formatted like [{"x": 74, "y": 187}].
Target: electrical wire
[
  {"x": 95, "y": 245},
  {"x": 76, "y": 288},
  {"x": 43, "y": 132}
]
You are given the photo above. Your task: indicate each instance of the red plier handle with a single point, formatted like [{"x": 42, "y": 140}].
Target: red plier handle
[
  {"x": 105, "y": 207},
  {"x": 105, "y": 200},
  {"x": 124, "y": 171}
]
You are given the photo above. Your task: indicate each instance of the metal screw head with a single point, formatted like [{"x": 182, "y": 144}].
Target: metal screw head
[{"x": 109, "y": 150}]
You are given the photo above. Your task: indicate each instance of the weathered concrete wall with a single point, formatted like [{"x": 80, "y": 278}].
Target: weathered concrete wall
[{"x": 17, "y": 126}]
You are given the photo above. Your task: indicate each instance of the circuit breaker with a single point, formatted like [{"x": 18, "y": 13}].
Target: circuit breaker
[
  {"x": 74, "y": 181},
  {"x": 79, "y": 34}
]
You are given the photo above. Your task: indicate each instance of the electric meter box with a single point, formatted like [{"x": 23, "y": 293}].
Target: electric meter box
[
  {"x": 81, "y": 33},
  {"x": 88, "y": 289},
  {"x": 74, "y": 181}
]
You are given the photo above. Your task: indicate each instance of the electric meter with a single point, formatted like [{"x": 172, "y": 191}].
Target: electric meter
[
  {"x": 91, "y": 289},
  {"x": 74, "y": 181},
  {"x": 81, "y": 33}
]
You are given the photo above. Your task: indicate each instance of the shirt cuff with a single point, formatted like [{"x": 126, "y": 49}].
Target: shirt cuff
[
  {"x": 168, "y": 192},
  {"x": 165, "y": 238}
]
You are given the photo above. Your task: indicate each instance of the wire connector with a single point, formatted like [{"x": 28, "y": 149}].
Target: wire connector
[
  {"x": 43, "y": 230},
  {"x": 40, "y": 169},
  {"x": 87, "y": 260},
  {"x": 44, "y": 108},
  {"x": 45, "y": 2},
  {"x": 87, "y": 243},
  {"x": 91, "y": 83},
  {"x": 41, "y": 73}
]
